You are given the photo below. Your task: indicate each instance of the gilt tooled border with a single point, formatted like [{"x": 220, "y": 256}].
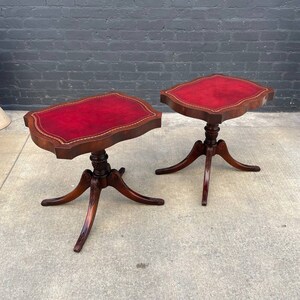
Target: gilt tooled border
[
  {"x": 169, "y": 92},
  {"x": 64, "y": 142}
]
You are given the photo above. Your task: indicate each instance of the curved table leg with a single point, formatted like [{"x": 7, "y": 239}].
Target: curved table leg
[
  {"x": 222, "y": 150},
  {"x": 115, "y": 180},
  {"x": 122, "y": 171},
  {"x": 197, "y": 150},
  {"x": 83, "y": 185},
  {"x": 209, "y": 155},
  {"x": 90, "y": 216}
]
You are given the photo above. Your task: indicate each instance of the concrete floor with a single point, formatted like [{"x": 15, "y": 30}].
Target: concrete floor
[{"x": 243, "y": 245}]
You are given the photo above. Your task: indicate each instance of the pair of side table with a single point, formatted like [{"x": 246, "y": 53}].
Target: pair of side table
[{"x": 96, "y": 123}]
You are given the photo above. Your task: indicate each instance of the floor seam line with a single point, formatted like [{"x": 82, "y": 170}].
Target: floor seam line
[{"x": 9, "y": 172}]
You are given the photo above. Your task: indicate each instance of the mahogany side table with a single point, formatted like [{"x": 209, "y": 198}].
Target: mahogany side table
[
  {"x": 214, "y": 99},
  {"x": 92, "y": 125}
]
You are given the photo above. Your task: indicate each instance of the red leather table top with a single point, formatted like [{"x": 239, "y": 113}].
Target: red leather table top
[
  {"x": 216, "y": 95},
  {"x": 108, "y": 118}
]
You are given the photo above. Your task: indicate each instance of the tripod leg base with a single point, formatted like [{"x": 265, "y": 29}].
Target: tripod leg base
[{"x": 100, "y": 178}]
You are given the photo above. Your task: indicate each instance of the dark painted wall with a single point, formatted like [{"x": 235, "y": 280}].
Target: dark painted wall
[{"x": 55, "y": 50}]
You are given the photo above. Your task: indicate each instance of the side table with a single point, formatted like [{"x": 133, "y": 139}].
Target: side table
[
  {"x": 92, "y": 125},
  {"x": 214, "y": 99}
]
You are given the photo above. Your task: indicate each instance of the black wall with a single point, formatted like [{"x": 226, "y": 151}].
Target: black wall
[{"x": 55, "y": 50}]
